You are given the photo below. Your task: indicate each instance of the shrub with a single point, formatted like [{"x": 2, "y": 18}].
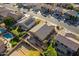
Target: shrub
[{"x": 14, "y": 41}]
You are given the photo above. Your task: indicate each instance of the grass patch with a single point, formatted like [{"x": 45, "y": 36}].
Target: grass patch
[{"x": 14, "y": 41}]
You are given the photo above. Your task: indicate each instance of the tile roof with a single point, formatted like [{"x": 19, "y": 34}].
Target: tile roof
[
  {"x": 69, "y": 42},
  {"x": 42, "y": 30}
]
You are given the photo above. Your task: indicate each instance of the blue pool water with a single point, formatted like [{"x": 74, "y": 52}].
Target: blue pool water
[
  {"x": 8, "y": 36},
  {"x": 2, "y": 30}
]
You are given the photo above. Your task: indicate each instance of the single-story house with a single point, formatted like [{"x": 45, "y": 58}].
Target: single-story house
[{"x": 42, "y": 30}]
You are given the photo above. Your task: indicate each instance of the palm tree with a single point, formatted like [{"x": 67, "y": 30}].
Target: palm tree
[
  {"x": 51, "y": 50},
  {"x": 17, "y": 33}
]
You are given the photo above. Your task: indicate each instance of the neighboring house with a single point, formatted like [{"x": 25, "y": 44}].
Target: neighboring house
[
  {"x": 2, "y": 48},
  {"x": 66, "y": 45},
  {"x": 58, "y": 10},
  {"x": 33, "y": 40},
  {"x": 64, "y": 5},
  {"x": 31, "y": 5},
  {"x": 37, "y": 7},
  {"x": 28, "y": 5},
  {"x": 16, "y": 15},
  {"x": 47, "y": 6},
  {"x": 23, "y": 49},
  {"x": 26, "y": 22},
  {"x": 6, "y": 12},
  {"x": 72, "y": 13}
]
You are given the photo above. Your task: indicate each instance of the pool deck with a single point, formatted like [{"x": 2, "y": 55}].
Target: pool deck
[
  {"x": 2, "y": 39},
  {"x": 8, "y": 33},
  {"x": 4, "y": 32}
]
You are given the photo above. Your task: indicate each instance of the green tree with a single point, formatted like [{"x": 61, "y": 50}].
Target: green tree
[
  {"x": 73, "y": 18},
  {"x": 16, "y": 31},
  {"x": 50, "y": 51},
  {"x": 9, "y": 21},
  {"x": 14, "y": 41},
  {"x": 70, "y": 7}
]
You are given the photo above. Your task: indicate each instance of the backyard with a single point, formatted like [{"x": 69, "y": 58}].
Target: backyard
[
  {"x": 23, "y": 49},
  {"x": 17, "y": 31},
  {"x": 18, "y": 34}
]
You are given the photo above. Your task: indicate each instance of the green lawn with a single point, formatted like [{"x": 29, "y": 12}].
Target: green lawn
[{"x": 15, "y": 32}]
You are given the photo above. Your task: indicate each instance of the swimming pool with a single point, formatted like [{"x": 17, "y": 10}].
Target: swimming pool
[
  {"x": 2, "y": 30},
  {"x": 8, "y": 36}
]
